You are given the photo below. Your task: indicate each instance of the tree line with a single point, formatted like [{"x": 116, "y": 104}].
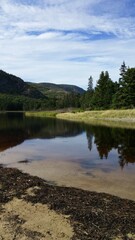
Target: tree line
[{"x": 108, "y": 94}]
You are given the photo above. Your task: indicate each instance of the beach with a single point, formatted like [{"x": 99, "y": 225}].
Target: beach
[{"x": 32, "y": 208}]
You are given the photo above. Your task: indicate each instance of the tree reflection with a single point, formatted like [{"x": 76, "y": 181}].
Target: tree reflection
[
  {"x": 126, "y": 146},
  {"x": 107, "y": 139},
  {"x": 89, "y": 138},
  {"x": 14, "y": 129}
]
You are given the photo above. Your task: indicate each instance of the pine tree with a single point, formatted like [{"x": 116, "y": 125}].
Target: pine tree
[
  {"x": 104, "y": 91},
  {"x": 125, "y": 96},
  {"x": 90, "y": 84},
  {"x": 86, "y": 99},
  {"x": 129, "y": 87},
  {"x": 123, "y": 70}
]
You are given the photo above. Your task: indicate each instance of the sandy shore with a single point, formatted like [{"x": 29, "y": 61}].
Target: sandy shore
[
  {"x": 33, "y": 209},
  {"x": 23, "y": 220}
]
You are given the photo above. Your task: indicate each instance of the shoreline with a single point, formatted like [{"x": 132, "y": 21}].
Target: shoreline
[
  {"x": 69, "y": 173},
  {"x": 86, "y": 215},
  {"x": 108, "y": 118}
]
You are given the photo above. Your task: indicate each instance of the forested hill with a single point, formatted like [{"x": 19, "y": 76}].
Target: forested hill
[
  {"x": 10, "y": 84},
  {"x": 15, "y": 94},
  {"x": 51, "y": 89}
]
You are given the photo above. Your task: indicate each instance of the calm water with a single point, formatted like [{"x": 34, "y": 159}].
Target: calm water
[{"x": 71, "y": 154}]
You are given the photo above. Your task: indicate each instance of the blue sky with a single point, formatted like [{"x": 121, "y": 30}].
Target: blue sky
[{"x": 66, "y": 41}]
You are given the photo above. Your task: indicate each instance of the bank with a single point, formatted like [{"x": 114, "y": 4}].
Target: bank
[
  {"x": 75, "y": 214},
  {"x": 114, "y": 118}
]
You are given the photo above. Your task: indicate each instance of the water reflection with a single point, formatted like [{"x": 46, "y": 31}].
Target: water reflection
[
  {"x": 107, "y": 139},
  {"x": 16, "y": 128}
]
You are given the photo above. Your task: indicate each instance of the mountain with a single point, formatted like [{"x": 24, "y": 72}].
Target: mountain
[
  {"x": 14, "y": 85},
  {"x": 10, "y": 84},
  {"x": 71, "y": 88},
  {"x": 51, "y": 89},
  {"x": 16, "y": 95}
]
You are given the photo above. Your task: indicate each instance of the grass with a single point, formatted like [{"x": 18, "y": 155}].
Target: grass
[
  {"x": 116, "y": 118},
  {"x": 128, "y": 114},
  {"x": 50, "y": 113},
  {"x": 41, "y": 114},
  {"x": 113, "y": 118}
]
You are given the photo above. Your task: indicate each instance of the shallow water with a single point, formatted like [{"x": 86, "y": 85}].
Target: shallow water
[{"x": 73, "y": 154}]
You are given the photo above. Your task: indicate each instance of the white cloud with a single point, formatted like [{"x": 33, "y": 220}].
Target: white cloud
[
  {"x": 65, "y": 41},
  {"x": 82, "y": 14}
]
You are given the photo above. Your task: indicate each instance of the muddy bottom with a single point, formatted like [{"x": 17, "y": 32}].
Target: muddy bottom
[
  {"x": 71, "y": 174},
  {"x": 32, "y": 208}
]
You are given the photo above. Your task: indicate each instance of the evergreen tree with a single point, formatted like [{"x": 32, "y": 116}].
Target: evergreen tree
[
  {"x": 86, "y": 99},
  {"x": 125, "y": 96},
  {"x": 104, "y": 91},
  {"x": 90, "y": 84},
  {"x": 123, "y": 70}
]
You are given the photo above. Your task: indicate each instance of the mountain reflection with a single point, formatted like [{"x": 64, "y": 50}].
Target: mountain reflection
[
  {"x": 16, "y": 128},
  {"x": 107, "y": 138}
]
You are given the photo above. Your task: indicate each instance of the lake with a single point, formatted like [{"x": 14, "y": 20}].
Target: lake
[{"x": 95, "y": 158}]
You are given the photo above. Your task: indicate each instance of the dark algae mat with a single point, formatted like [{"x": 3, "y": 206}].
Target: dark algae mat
[{"x": 92, "y": 215}]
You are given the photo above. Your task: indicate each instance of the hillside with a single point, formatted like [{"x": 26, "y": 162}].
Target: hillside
[
  {"x": 15, "y": 94},
  {"x": 10, "y": 84},
  {"x": 57, "y": 90}
]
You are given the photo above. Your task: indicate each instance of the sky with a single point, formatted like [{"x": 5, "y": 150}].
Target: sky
[{"x": 66, "y": 41}]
